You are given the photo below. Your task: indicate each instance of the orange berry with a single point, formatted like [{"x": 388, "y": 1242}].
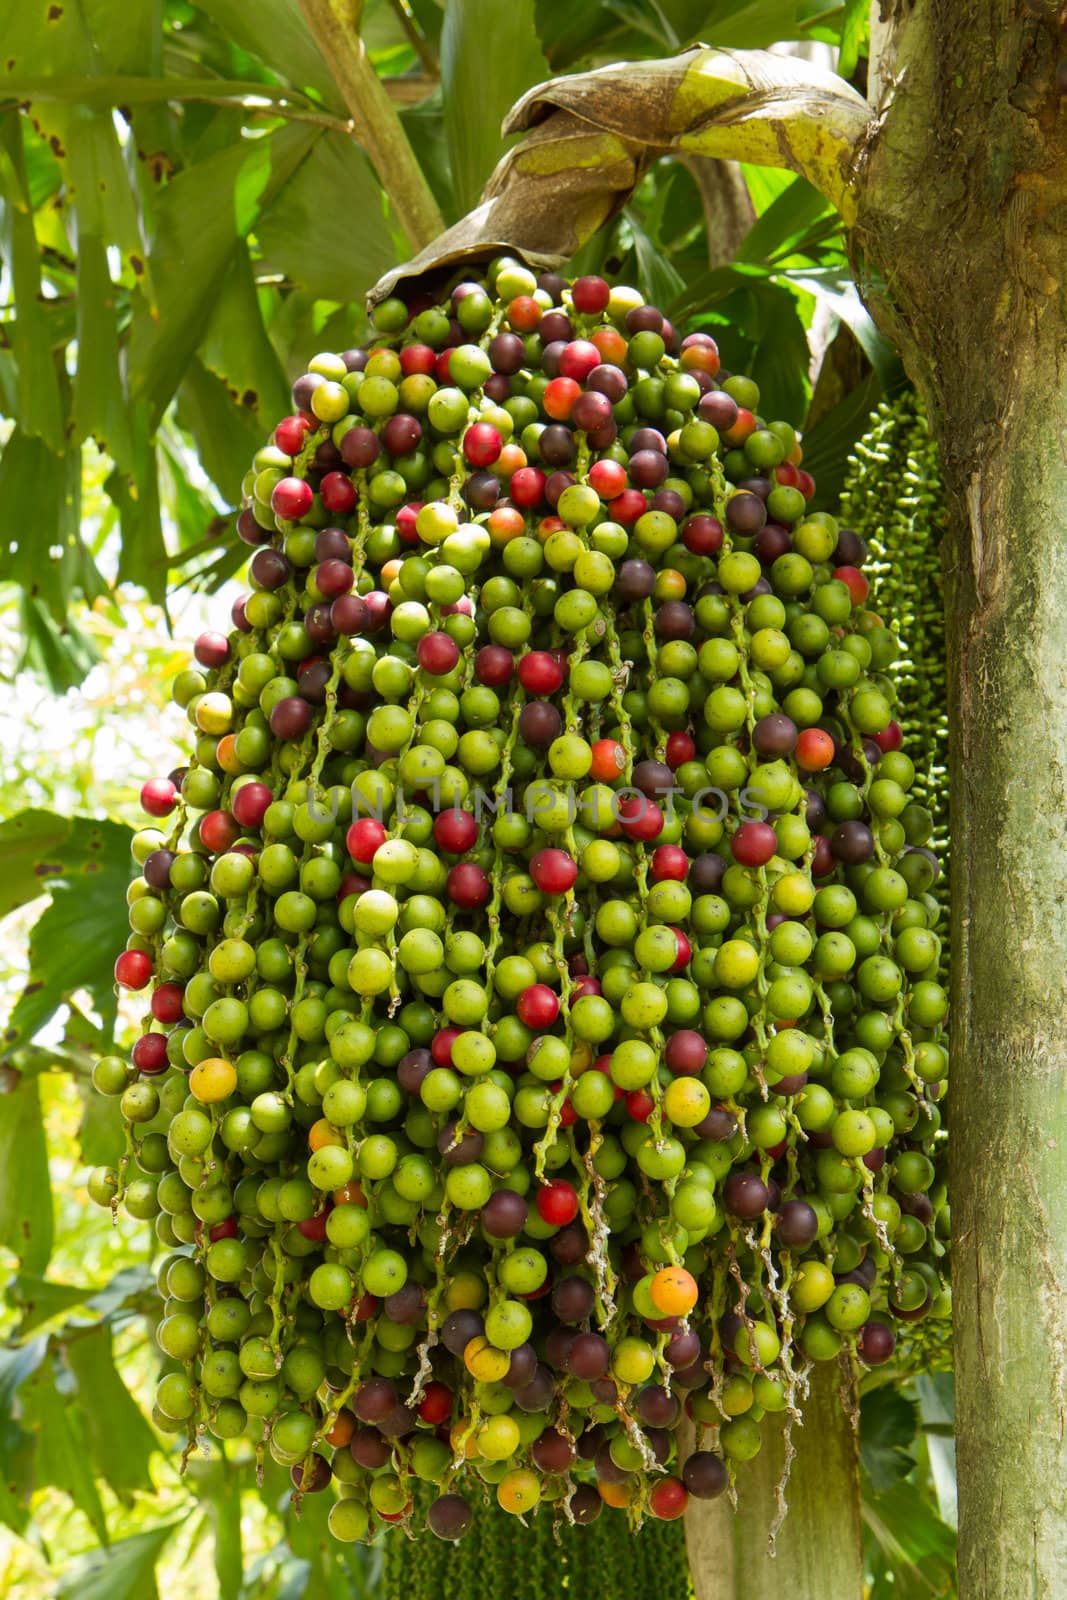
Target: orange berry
[
  {"x": 322, "y": 1132},
  {"x": 673, "y": 1291},
  {"x": 344, "y": 1426}
]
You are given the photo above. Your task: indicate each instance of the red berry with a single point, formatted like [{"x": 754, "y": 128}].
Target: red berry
[
  {"x": 250, "y": 803},
  {"x": 608, "y": 478},
  {"x": 212, "y": 649},
  {"x": 455, "y": 831},
  {"x": 628, "y": 506},
  {"x": 494, "y": 665},
  {"x": 406, "y": 518},
  {"x": 890, "y": 738},
  {"x": 681, "y": 748},
  {"x": 158, "y": 797},
  {"x": 640, "y": 1104},
  {"x": 577, "y": 359},
  {"x": 291, "y": 499},
  {"x": 685, "y": 1053},
  {"x": 590, "y": 296},
  {"x": 538, "y": 1006},
  {"x": 226, "y": 1229},
  {"x": 640, "y": 817},
  {"x": 669, "y": 861},
  {"x": 314, "y": 1228},
  {"x": 166, "y": 1002},
  {"x": 858, "y": 585},
  {"x": 787, "y": 475},
  {"x": 557, "y": 1203},
  {"x": 441, "y": 1045},
  {"x": 437, "y": 653},
  {"x": 806, "y": 484},
  {"x": 218, "y": 831},
  {"x": 754, "y": 844},
  {"x": 702, "y": 535},
  {"x": 685, "y": 951},
  {"x": 352, "y": 883},
  {"x": 468, "y": 886},
  {"x": 291, "y": 433},
  {"x": 668, "y": 1499},
  {"x": 823, "y": 861},
  {"x": 338, "y": 492},
  {"x": 540, "y": 673},
  {"x": 363, "y": 838},
  {"x": 482, "y": 444},
  {"x": 567, "y": 1118},
  {"x": 417, "y": 358},
  {"x": 527, "y": 486},
  {"x": 585, "y": 985},
  {"x": 553, "y": 871},
  {"x": 436, "y": 1403},
  {"x": 150, "y": 1054}
]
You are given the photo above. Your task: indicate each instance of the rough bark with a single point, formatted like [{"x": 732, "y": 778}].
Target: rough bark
[
  {"x": 963, "y": 213},
  {"x": 819, "y": 1546}
]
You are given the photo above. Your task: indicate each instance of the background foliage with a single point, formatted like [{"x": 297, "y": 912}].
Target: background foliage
[{"x": 184, "y": 219}]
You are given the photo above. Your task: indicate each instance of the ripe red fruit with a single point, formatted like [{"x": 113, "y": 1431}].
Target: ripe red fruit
[
  {"x": 314, "y": 1228},
  {"x": 338, "y": 492},
  {"x": 628, "y": 506},
  {"x": 640, "y": 818},
  {"x": 559, "y": 398},
  {"x": 669, "y": 861},
  {"x": 158, "y": 797},
  {"x": 681, "y": 747},
  {"x": 585, "y": 985},
  {"x": 250, "y": 803},
  {"x": 786, "y": 475},
  {"x": 150, "y": 1054},
  {"x": 291, "y": 499},
  {"x": 482, "y": 444},
  {"x": 806, "y": 484},
  {"x": 467, "y": 886},
  {"x": 609, "y": 761},
  {"x": 814, "y": 750},
  {"x": 538, "y": 1006},
  {"x": 553, "y": 871},
  {"x": 590, "y": 295},
  {"x": 857, "y": 584},
  {"x": 211, "y": 649},
  {"x": 685, "y": 951},
  {"x": 640, "y": 1104},
  {"x": 557, "y": 1203},
  {"x": 527, "y": 486},
  {"x": 540, "y": 673},
  {"x": 494, "y": 665},
  {"x": 890, "y": 738},
  {"x": 441, "y": 1045},
  {"x": 524, "y": 313},
  {"x": 754, "y": 844},
  {"x": 608, "y": 478},
  {"x": 436, "y": 1403},
  {"x": 166, "y": 1003},
  {"x": 363, "y": 838},
  {"x": 685, "y": 1053},
  {"x": 577, "y": 359},
  {"x": 702, "y": 535},
  {"x": 417, "y": 358},
  {"x": 406, "y": 519},
  {"x": 437, "y": 653},
  {"x": 455, "y": 831},
  {"x": 218, "y": 831},
  {"x": 668, "y": 1499},
  {"x": 226, "y": 1229},
  {"x": 291, "y": 433}
]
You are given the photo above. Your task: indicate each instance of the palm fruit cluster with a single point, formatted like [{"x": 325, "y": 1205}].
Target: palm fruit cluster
[
  {"x": 544, "y": 1039},
  {"x": 893, "y": 497}
]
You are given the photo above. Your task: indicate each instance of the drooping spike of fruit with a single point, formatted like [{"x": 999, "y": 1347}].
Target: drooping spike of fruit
[{"x": 545, "y": 1038}]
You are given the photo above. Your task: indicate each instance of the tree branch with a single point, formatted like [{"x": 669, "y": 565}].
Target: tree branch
[{"x": 334, "y": 25}]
